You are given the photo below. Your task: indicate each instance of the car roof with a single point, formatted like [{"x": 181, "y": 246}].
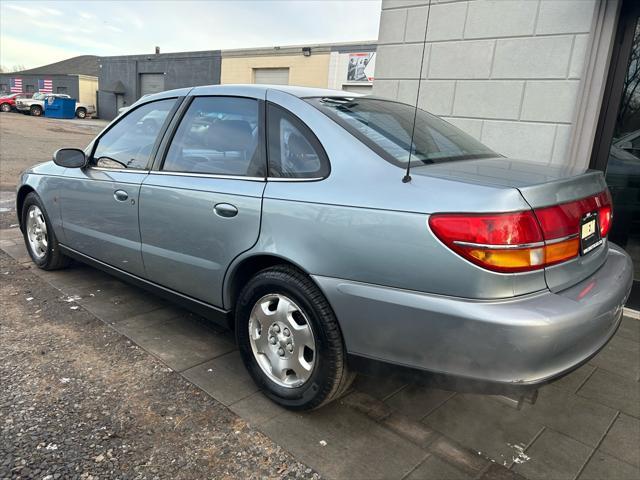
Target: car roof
[{"x": 252, "y": 90}]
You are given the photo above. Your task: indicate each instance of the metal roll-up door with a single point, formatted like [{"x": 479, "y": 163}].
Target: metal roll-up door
[
  {"x": 271, "y": 76},
  {"x": 151, "y": 83}
]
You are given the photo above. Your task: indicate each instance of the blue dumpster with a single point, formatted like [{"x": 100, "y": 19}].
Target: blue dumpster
[{"x": 56, "y": 107}]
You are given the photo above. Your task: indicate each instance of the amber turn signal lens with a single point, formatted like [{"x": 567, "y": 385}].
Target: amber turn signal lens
[
  {"x": 561, "y": 251},
  {"x": 509, "y": 260}
]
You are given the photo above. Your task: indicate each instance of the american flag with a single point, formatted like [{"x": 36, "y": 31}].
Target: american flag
[
  {"x": 16, "y": 85},
  {"x": 45, "y": 86}
]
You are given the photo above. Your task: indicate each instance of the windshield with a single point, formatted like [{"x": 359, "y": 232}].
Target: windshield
[
  {"x": 387, "y": 126},
  {"x": 38, "y": 96}
]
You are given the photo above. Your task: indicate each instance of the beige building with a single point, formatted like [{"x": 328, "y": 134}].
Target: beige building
[{"x": 340, "y": 66}]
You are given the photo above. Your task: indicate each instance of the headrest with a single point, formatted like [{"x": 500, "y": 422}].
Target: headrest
[{"x": 230, "y": 135}]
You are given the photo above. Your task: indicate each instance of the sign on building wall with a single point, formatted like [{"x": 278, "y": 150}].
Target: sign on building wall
[{"x": 361, "y": 67}]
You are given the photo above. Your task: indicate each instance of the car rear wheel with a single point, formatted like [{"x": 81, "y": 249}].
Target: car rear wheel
[
  {"x": 81, "y": 112},
  {"x": 289, "y": 339},
  {"x": 5, "y": 107},
  {"x": 36, "y": 110},
  {"x": 39, "y": 237}
]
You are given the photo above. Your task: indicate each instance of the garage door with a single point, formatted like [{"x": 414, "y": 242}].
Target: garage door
[
  {"x": 151, "y": 83},
  {"x": 272, "y": 76}
]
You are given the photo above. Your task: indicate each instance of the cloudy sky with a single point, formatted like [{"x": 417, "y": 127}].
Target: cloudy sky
[{"x": 37, "y": 33}]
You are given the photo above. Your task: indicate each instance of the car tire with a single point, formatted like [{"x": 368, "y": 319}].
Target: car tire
[
  {"x": 36, "y": 110},
  {"x": 36, "y": 227},
  {"x": 81, "y": 112},
  {"x": 318, "y": 373},
  {"x": 5, "y": 107}
]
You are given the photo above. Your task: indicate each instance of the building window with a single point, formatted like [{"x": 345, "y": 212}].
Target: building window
[
  {"x": 4, "y": 87},
  {"x": 271, "y": 76},
  {"x": 30, "y": 89},
  {"x": 61, "y": 90}
]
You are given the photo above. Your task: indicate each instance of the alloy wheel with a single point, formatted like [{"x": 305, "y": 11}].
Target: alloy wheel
[
  {"x": 37, "y": 232},
  {"x": 282, "y": 340}
]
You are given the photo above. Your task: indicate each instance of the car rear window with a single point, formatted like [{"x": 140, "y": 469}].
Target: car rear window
[{"x": 387, "y": 127}]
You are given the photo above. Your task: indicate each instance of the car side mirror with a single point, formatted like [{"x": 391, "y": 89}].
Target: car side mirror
[{"x": 70, "y": 158}]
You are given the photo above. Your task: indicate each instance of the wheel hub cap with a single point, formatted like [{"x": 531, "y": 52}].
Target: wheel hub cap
[
  {"x": 282, "y": 341},
  {"x": 37, "y": 232}
]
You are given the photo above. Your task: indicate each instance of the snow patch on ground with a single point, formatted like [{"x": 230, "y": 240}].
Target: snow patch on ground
[
  {"x": 72, "y": 298},
  {"x": 520, "y": 456}
]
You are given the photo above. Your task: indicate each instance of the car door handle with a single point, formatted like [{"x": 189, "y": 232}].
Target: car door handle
[
  {"x": 120, "y": 195},
  {"x": 225, "y": 210}
]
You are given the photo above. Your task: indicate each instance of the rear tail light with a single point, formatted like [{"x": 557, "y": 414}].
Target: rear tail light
[{"x": 521, "y": 241}]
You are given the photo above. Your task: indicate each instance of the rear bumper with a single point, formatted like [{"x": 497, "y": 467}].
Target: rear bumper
[{"x": 526, "y": 340}]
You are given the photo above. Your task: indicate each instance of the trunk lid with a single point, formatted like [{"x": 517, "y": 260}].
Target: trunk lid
[{"x": 540, "y": 186}]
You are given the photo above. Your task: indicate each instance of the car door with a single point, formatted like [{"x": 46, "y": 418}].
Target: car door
[
  {"x": 99, "y": 203},
  {"x": 201, "y": 207}
]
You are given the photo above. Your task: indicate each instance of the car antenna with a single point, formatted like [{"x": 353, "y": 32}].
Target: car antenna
[{"x": 407, "y": 175}]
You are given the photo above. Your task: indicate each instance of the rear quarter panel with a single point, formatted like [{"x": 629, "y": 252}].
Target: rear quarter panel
[{"x": 362, "y": 223}]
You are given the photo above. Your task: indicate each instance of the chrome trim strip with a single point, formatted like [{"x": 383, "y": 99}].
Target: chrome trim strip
[
  {"x": 562, "y": 239},
  {"x": 517, "y": 246},
  {"x": 127, "y": 170},
  {"x": 499, "y": 247},
  {"x": 234, "y": 177},
  {"x": 285, "y": 179},
  {"x": 207, "y": 175}
]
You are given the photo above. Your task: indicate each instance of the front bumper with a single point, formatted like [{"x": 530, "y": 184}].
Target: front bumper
[{"x": 525, "y": 340}]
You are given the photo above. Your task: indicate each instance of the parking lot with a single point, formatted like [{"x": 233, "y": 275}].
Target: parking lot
[{"x": 140, "y": 355}]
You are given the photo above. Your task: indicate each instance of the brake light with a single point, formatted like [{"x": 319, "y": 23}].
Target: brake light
[{"x": 521, "y": 241}]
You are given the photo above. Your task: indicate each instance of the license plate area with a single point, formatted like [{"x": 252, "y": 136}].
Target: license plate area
[{"x": 589, "y": 233}]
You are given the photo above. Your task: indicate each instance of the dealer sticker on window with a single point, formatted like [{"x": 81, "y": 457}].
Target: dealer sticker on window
[{"x": 589, "y": 233}]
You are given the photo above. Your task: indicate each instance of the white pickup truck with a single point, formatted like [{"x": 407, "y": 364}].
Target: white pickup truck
[{"x": 35, "y": 105}]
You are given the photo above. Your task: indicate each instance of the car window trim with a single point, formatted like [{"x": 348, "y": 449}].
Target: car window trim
[
  {"x": 123, "y": 170},
  {"x": 173, "y": 129},
  {"x": 207, "y": 175},
  {"x": 316, "y": 143},
  {"x": 177, "y": 102}
]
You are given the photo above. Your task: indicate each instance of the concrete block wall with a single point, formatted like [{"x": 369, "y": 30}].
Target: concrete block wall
[{"x": 506, "y": 71}]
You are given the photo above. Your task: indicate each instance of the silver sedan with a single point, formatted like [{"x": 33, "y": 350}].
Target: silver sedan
[{"x": 333, "y": 234}]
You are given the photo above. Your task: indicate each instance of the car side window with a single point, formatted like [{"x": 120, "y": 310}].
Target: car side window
[
  {"x": 218, "y": 136},
  {"x": 294, "y": 151},
  {"x": 129, "y": 143}
]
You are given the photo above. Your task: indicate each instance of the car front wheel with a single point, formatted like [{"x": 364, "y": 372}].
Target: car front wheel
[
  {"x": 289, "y": 339},
  {"x": 39, "y": 237},
  {"x": 5, "y": 107},
  {"x": 81, "y": 113},
  {"x": 36, "y": 110}
]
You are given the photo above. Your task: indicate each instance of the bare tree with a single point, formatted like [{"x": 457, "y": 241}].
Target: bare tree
[{"x": 18, "y": 68}]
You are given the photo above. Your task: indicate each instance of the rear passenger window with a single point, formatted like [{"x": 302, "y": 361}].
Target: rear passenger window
[
  {"x": 294, "y": 151},
  {"x": 218, "y": 135}
]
